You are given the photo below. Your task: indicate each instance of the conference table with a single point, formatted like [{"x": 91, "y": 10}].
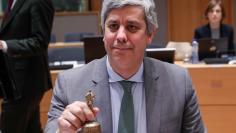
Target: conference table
[{"x": 216, "y": 90}]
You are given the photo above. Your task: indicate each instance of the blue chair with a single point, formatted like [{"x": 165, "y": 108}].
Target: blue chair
[
  {"x": 65, "y": 54},
  {"x": 77, "y": 36}
]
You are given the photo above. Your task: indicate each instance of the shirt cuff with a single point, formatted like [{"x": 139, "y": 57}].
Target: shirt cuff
[
  {"x": 4, "y": 45},
  {"x": 58, "y": 131}
]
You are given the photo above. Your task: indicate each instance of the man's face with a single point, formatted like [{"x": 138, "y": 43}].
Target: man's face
[
  {"x": 125, "y": 36},
  {"x": 215, "y": 15}
]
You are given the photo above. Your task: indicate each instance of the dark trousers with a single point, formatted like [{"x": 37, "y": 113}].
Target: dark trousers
[{"x": 21, "y": 116}]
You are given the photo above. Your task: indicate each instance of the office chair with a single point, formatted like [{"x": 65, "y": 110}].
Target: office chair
[
  {"x": 65, "y": 58},
  {"x": 66, "y": 54},
  {"x": 77, "y": 36},
  {"x": 93, "y": 48}
]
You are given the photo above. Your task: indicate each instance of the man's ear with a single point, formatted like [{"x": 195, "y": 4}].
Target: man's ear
[{"x": 151, "y": 35}]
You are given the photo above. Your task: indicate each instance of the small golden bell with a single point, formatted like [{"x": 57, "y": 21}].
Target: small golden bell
[{"x": 91, "y": 126}]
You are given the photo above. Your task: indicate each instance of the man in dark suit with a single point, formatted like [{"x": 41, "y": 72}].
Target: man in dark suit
[
  {"x": 134, "y": 94},
  {"x": 24, "y": 39}
]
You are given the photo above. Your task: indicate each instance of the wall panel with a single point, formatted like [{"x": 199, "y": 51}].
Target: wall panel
[
  {"x": 234, "y": 20},
  {"x": 96, "y": 5}
]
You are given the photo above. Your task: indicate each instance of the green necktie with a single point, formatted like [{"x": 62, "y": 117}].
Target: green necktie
[{"x": 126, "y": 118}]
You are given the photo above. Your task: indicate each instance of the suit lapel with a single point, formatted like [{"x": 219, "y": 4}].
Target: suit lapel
[
  {"x": 102, "y": 91},
  {"x": 11, "y": 15},
  {"x": 153, "y": 97}
]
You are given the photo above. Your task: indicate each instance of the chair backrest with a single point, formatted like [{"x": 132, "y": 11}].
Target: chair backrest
[
  {"x": 66, "y": 54},
  {"x": 76, "y": 36},
  {"x": 93, "y": 48},
  {"x": 86, "y": 34}
]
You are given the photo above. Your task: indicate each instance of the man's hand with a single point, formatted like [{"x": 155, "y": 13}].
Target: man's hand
[{"x": 74, "y": 117}]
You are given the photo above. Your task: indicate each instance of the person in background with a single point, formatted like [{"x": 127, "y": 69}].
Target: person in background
[
  {"x": 24, "y": 38},
  {"x": 215, "y": 14},
  {"x": 133, "y": 93}
]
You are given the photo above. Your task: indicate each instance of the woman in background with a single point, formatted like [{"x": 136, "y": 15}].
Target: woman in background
[{"x": 215, "y": 13}]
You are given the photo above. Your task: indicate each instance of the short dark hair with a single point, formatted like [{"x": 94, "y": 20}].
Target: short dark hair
[{"x": 211, "y": 5}]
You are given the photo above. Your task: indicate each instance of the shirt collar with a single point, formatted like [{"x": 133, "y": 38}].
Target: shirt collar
[{"x": 114, "y": 77}]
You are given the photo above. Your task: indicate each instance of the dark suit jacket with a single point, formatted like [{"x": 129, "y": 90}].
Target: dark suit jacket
[
  {"x": 27, "y": 31},
  {"x": 225, "y": 31},
  {"x": 171, "y": 102}
]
